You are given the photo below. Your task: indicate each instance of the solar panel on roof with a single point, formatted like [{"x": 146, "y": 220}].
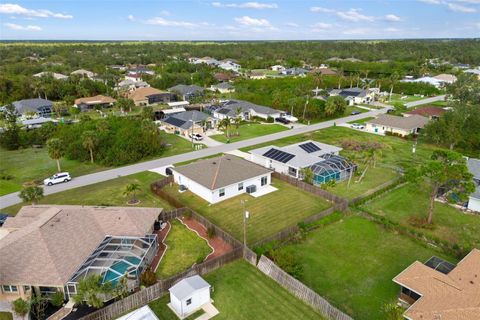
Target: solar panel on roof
[
  {"x": 174, "y": 121},
  {"x": 309, "y": 147},
  {"x": 278, "y": 155},
  {"x": 440, "y": 265}
]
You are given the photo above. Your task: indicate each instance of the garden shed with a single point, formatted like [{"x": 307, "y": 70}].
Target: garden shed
[{"x": 189, "y": 295}]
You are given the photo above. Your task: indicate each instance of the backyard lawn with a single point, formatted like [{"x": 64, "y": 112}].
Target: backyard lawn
[
  {"x": 106, "y": 193},
  {"x": 243, "y": 292},
  {"x": 269, "y": 213},
  {"x": 450, "y": 224},
  {"x": 351, "y": 263},
  {"x": 248, "y": 131},
  {"x": 184, "y": 248}
]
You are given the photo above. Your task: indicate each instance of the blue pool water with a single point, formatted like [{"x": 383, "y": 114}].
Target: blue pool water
[{"x": 121, "y": 267}]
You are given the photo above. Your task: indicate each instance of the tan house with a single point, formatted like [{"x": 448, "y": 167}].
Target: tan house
[
  {"x": 149, "y": 96},
  {"x": 94, "y": 102},
  {"x": 403, "y": 126},
  {"x": 51, "y": 248},
  {"x": 188, "y": 122},
  {"x": 439, "y": 290}
]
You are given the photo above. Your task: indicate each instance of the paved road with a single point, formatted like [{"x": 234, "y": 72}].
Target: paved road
[
  {"x": 12, "y": 198},
  {"x": 424, "y": 101}
]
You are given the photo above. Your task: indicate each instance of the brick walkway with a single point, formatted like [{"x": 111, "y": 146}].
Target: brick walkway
[
  {"x": 219, "y": 246},
  {"x": 161, "y": 235}
]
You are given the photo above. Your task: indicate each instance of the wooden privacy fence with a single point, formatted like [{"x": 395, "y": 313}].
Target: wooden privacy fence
[
  {"x": 299, "y": 290},
  {"x": 374, "y": 190}
]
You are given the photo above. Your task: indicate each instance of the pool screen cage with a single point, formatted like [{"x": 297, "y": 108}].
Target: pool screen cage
[
  {"x": 333, "y": 167},
  {"x": 114, "y": 258}
]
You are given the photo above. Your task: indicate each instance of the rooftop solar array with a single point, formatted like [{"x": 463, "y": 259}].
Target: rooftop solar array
[
  {"x": 440, "y": 265},
  {"x": 309, "y": 147},
  {"x": 278, "y": 155},
  {"x": 174, "y": 121}
]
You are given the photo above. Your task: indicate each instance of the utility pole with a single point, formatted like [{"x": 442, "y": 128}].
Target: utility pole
[
  {"x": 245, "y": 217},
  {"x": 193, "y": 125}
]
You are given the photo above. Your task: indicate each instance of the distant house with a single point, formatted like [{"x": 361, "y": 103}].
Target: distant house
[
  {"x": 84, "y": 74},
  {"x": 185, "y": 123},
  {"x": 39, "y": 107},
  {"x": 223, "y": 87},
  {"x": 324, "y": 71},
  {"x": 473, "y": 72},
  {"x": 278, "y": 68},
  {"x": 189, "y": 295},
  {"x": 140, "y": 70},
  {"x": 440, "y": 290},
  {"x": 257, "y": 75},
  {"x": 403, "y": 126},
  {"x": 149, "y": 96},
  {"x": 221, "y": 178},
  {"x": 321, "y": 158},
  {"x": 223, "y": 77},
  {"x": 35, "y": 122},
  {"x": 206, "y": 60},
  {"x": 229, "y": 65},
  {"x": 245, "y": 110},
  {"x": 296, "y": 72},
  {"x": 474, "y": 199},
  {"x": 431, "y": 112},
  {"x": 87, "y": 103},
  {"x": 47, "y": 249},
  {"x": 446, "y": 78},
  {"x": 129, "y": 85},
  {"x": 56, "y": 76},
  {"x": 134, "y": 77},
  {"x": 118, "y": 67},
  {"x": 355, "y": 95},
  {"x": 187, "y": 92},
  {"x": 438, "y": 81}
]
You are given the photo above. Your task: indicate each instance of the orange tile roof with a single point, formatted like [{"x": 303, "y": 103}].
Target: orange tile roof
[
  {"x": 98, "y": 99},
  {"x": 143, "y": 93}
]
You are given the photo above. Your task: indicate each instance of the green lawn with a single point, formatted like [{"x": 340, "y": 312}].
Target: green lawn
[
  {"x": 243, "y": 292},
  {"x": 184, "y": 248},
  {"x": 6, "y": 315},
  {"x": 351, "y": 263},
  {"x": 449, "y": 223},
  {"x": 396, "y": 98},
  {"x": 248, "y": 131},
  {"x": 106, "y": 193},
  {"x": 268, "y": 214}
]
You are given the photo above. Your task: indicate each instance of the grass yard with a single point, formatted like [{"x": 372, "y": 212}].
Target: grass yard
[
  {"x": 184, "y": 249},
  {"x": 243, "y": 292},
  {"x": 450, "y": 224},
  {"x": 249, "y": 130},
  {"x": 351, "y": 263},
  {"x": 106, "y": 193},
  {"x": 397, "y": 98},
  {"x": 268, "y": 214},
  {"x": 6, "y": 315}
]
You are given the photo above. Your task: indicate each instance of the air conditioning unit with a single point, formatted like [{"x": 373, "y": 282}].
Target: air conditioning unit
[{"x": 251, "y": 189}]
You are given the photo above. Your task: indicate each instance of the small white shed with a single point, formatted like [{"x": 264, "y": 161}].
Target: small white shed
[
  {"x": 144, "y": 313},
  {"x": 189, "y": 295}
]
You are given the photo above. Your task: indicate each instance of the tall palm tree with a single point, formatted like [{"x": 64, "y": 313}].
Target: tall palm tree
[
  {"x": 393, "y": 78},
  {"x": 31, "y": 193},
  {"x": 131, "y": 189},
  {"x": 89, "y": 142},
  {"x": 56, "y": 150},
  {"x": 225, "y": 124}
]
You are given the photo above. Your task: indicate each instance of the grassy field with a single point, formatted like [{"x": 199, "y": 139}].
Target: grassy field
[
  {"x": 185, "y": 248},
  {"x": 268, "y": 214},
  {"x": 106, "y": 193},
  {"x": 250, "y": 130},
  {"x": 397, "y": 98},
  {"x": 6, "y": 315},
  {"x": 243, "y": 292},
  {"x": 407, "y": 202},
  {"x": 352, "y": 262}
]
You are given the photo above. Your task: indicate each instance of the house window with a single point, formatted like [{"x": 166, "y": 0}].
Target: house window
[
  {"x": 240, "y": 186},
  {"x": 263, "y": 181},
  {"x": 292, "y": 171},
  {"x": 221, "y": 192},
  {"x": 8, "y": 288},
  {"x": 189, "y": 301}
]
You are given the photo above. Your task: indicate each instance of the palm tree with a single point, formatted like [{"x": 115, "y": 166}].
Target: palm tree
[
  {"x": 131, "y": 189},
  {"x": 31, "y": 193},
  {"x": 89, "y": 142},
  {"x": 56, "y": 150},
  {"x": 393, "y": 79},
  {"x": 225, "y": 124},
  {"x": 92, "y": 291}
]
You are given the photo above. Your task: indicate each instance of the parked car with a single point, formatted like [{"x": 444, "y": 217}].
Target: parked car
[
  {"x": 355, "y": 112},
  {"x": 196, "y": 136},
  {"x": 282, "y": 120},
  {"x": 357, "y": 126},
  {"x": 57, "y": 178}
]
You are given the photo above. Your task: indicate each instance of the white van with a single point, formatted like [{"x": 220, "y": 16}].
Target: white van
[{"x": 57, "y": 178}]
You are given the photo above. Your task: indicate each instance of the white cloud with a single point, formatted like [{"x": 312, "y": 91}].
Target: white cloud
[
  {"x": 460, "y": 8},
  {"x": 392, "y": 30},
  {"x": 14, "y": 26},
  {"x": 246, "y": 5},
  {"x": 356, "y": 31},
  {"x": 15, "y": 9},
  {"x": 354, "y": 15},
  {"x": 392, "y": 18},
  {"x": 131, "y": 17},
  {"x": 431, "y": 1},
  {"x": 158, "y": 21},
  {"x": 455, "y": 5},
  {"x": 253, "y": 22},
  {"x": 292, "y": 24},
  {"x": 321, "y": 9},
  {"x": 165, "y": 13},
  {"x": 321, "y": 27}
]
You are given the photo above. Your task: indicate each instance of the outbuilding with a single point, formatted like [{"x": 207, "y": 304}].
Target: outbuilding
[{"x": 189, "y": 295}]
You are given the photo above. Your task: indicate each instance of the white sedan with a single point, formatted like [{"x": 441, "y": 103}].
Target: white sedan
[{"x": 358, "y": 126}]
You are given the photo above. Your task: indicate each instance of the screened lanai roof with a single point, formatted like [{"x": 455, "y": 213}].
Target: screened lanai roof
[{"x": 332, "y": 163}]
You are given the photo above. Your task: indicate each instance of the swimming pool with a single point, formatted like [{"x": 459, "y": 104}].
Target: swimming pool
[{"x": 120, "y": 267}]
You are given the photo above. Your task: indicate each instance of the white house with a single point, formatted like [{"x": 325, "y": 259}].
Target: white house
[
  {"x": 189, "y": 295},
  {"x": 278, "y": 68},
  {"x": 474, "y": 199},
  {"x": 245, "y": 110},
  {"x": 356, "y": 95},
  {"x": 403, "y": 126},
  {"x": 222, "y": 87},
  {"x": 229, "y": 65},
  {"x": 221, "y": 178}
]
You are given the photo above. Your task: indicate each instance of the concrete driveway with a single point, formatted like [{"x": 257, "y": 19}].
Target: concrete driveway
[{"x": 424, "y": 101}]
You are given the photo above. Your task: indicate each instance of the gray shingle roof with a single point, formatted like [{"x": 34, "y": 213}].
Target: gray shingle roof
[
  {"x": 246, "y": 106},
  {"x": 31, "y": 105},
  {"x": 186, "y": 287},
  {"x": 474, "y": 167},
  {"x": 221, "y": 172},
  {"x": 186, "y": 89},
  {"x": 182, "y": 119},
  {"x": 406, "y": 123}
]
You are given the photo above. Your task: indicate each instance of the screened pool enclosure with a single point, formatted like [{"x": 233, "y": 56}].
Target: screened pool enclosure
[
  {"x": 116, "y": 257},
  {"x": 333, "y": 167}
]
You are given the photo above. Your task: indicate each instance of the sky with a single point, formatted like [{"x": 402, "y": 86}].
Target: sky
[{"x": 238, "y": 20}]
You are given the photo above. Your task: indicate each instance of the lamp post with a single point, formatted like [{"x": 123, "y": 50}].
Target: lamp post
[{"x": 245, "y": 217}]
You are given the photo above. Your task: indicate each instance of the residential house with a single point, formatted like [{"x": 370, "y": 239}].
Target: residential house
[
  {"x": 324, "y": 72},
  {"x": 222, "y": 178},
  {"x": 135, "y": 77},
  {"x": 46, "y": 249},
  {"x": 189, "y": 295},
  {"x": 474, "y": 199},
  {"x": 187, "y": 92},
  {"x": 430, "y": 112},
  {"x": 223, "y": 87},
  {"x": 118, "y": 67},
  {"x": 473, "y": 72},
  {"x": 296, "y": 72},
  {"x": 98, "y": 101},
  {"x": 206, "y": 60},
  {"x": 257, "y": 75},
  {"x": 245, "y": 110},
  {"x": 35, "y": 123},
  {"x": 356, "y": 95},
  {"x": 438, "y": 81},
  {"x": 440, "y": 290},
  {"x": 56, "y": 76},
  {"x": 445, "y": 78},
  {"x": 278, "y": 68},
  {"x": 148, "y": 96},
  {"x": 38, "y": 107},
  {"x": 130, "y": 85},
  {"x": 229, "y": 65},
  {"x": 85, "y": 74},
  {"x": 139, "y": 70},
  {"x": 321, "y": 158},
  {"x": 189, "y": 122},
  {"x": 165, "y": 113},
  {"x": 403, "y": 126},
  {"x": 223, "y": 76}
]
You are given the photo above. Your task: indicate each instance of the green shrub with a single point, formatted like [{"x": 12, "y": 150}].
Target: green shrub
[
  {"x": 148, "y": 277},
  {"x": 21, "y": 307},
  {"x": 57, "y": 299},
  {"x": 289, "y": 261}
]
